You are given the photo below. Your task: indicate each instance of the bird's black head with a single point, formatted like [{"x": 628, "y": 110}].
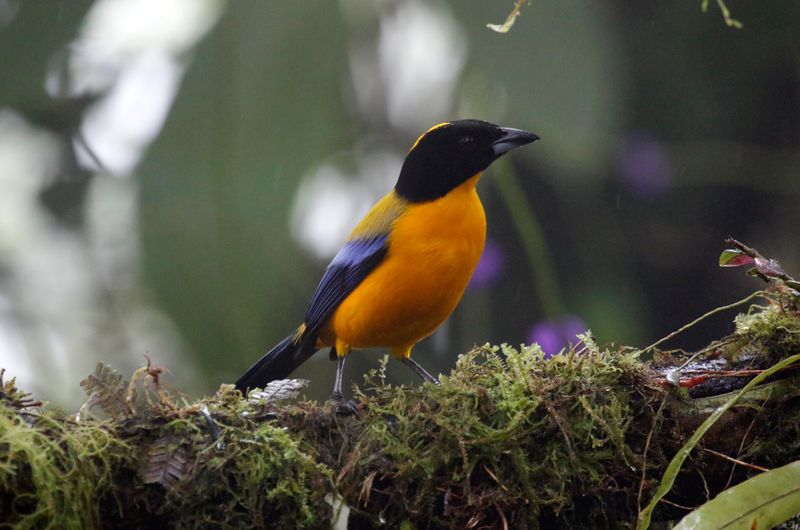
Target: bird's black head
[{"x": 450, "y": 153}]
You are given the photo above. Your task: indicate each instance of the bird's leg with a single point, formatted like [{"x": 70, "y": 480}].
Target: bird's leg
[
  {"x": 420, "y": 370},
  {"x": 342, "y": 406},
  {"x": 337, "y": 395}
]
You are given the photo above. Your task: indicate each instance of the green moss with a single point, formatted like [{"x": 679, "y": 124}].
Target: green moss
[
  {"x": 509, "y": 438},
  {"x": 258, "y": 478},
  {"x": 767, "y": 333},
  {"x": 508, "y": 435},
  {"x": 57, "y": 470},
  {"x": 158, "y": 468},
  {"x": 513, "y": 438}
]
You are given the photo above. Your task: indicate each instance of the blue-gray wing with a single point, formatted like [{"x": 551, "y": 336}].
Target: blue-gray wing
[{"x": 353, "y": 263}]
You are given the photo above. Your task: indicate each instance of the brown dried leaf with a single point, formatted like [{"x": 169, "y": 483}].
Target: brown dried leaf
[
  {"x": 107, "y": 388},
  {"x": 167, "y": 462}
]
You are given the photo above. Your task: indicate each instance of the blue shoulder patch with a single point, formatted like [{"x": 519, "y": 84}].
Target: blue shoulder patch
[{"x": 356, "y": 259}]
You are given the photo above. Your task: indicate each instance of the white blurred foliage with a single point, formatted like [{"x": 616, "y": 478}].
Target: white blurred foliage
[
  {"x": 133, "y": 52},
  {"x": 62, "y": 291},
  {"x": 116, "y": 33},
  {"x": 123, "y": 123},
  {"x": 29, "y": 157},
  {"x": 129, "y": 26},
  {"x": 330, "y": 201},
  {"x": 408, "y": 73},
  {"x": 69, "y": 298},
  {"x": 12, "y": 343},
  {"x": 47, "y": 291},
  {"x": 422, "y": 52}
]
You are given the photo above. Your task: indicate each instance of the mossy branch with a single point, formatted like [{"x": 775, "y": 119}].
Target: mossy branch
[{"x": 509, "y": 439}]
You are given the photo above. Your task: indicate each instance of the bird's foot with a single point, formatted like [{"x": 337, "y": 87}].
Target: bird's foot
[{"x": 342, "y": 406}]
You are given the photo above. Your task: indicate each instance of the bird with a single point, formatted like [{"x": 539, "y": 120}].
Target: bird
[{"x": 405, "y": 266}]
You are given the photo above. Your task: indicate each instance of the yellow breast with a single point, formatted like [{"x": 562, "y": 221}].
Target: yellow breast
[{"x": 433, "y": 250}]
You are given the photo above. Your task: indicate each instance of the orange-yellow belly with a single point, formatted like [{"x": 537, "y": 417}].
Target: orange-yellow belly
[{"x": 433, "y": 250}]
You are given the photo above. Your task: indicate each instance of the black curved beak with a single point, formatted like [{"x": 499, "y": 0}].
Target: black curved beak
[{"x": 512, "y": 138}]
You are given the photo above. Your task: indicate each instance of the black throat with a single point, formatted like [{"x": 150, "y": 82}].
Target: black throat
[{"x": 425, "y": 178}]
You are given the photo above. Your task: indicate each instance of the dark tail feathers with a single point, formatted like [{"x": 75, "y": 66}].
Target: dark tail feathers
[{"x": 278, "y": 362}]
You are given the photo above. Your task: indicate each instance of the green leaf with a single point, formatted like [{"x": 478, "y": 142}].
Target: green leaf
[
  {"x": 674, "y": 467},
  {"x": 731, "y": 257},
  {"x": 763, "y": 501}
]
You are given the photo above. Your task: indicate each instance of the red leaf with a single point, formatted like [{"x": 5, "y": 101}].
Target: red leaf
[{"x": 735, "y": 258}]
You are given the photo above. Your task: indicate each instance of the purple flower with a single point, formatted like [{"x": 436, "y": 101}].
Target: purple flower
[
  {"x": 644, "y": 165},
  {"x": 553, "y": 335},
  {"x": 489, "y": 267}
]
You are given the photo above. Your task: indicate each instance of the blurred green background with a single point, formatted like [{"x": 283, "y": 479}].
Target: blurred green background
[{"x": 174, "y": 176}]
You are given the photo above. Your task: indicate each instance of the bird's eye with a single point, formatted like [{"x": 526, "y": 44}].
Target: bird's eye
[{"x": 467, "y": 142}]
